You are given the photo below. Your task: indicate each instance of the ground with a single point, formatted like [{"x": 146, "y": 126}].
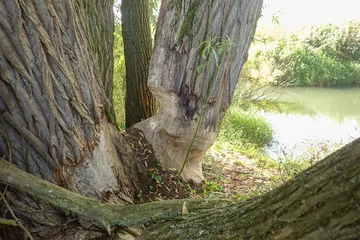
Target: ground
[{"x": 227, "y": 175}]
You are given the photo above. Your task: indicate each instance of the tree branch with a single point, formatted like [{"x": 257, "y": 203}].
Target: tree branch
[{"x": 107, "y": 214}]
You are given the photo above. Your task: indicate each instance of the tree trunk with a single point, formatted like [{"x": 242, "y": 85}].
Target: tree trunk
[
  {"x": 139, "y": 102},
  {"x": 200, "y": 48},
  {"x": 52, "y": 121},
  {"x": 320, "y": 203},
  {"x": 100, "y": 17}
]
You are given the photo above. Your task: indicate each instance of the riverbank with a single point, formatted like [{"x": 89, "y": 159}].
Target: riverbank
[
  {"x": 307, "y": 124},
  {"x": 239, "y": 173}
]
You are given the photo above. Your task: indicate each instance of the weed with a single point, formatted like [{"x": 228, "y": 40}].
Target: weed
[
  {"x": 156, "y": 176},
  {"x": 210, "y": 54},
  {"x": 140, "y": 194}
]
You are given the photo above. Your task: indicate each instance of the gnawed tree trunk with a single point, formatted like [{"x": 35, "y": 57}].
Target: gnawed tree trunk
[
  {"x": 320, "y": 203},
  {"x": 52, "y": 121},
  {"x": 139, "y": 102},
  {"x": 200, "y": 48}
]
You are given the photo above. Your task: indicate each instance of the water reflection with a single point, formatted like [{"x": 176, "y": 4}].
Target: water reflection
[
  {"x": 336, "y": 103},
  {"x": 328, "y": 116}
]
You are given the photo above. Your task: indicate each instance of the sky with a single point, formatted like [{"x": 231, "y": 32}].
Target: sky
[{"x": 299, "y": 13}]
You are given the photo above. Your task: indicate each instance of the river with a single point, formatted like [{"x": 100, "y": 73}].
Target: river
[{"x": 325, "y": 118}]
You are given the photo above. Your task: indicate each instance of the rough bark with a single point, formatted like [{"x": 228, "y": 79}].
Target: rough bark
[
  {"x": 194, "y": 87},
  {"x": 322, "y": 202},
  {"x": 100, "y": 19},
  {"x": 139, "y": 102},
  {"x": 109, "y": 215},
  {"x": 52, "y": 121}
]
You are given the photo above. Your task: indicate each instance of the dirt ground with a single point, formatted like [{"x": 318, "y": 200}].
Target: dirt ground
[{"x": 233, "y": 176}]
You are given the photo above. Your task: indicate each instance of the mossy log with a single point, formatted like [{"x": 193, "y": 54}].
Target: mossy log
[{"x": 107, "y": 214}]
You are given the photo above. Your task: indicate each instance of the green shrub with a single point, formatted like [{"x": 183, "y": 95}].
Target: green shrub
[
  {"x": 245, "y": 127},
  {"x": 326, "y": 55}
]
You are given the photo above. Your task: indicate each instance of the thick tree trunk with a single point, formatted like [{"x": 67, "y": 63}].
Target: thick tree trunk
[
  {"x": 322, "y": 202},
  {"x": 139, "y": 102},
  {"x": 200, "y": 48},
  {"x": 52, "y": 121},
  {"x": 100, "y": 17}
]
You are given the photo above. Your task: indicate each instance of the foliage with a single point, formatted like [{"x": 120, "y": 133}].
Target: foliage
[
  {"x": 155, "y": 175},
  {"x": 154, "y": 7},
  {"x": 119, "y": 77},
  {"x": 245, "y": 127},
  {"x": 326, "y": 55}
]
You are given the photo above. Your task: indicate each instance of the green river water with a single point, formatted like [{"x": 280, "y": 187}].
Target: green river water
[{"x": 324, "y": 118}]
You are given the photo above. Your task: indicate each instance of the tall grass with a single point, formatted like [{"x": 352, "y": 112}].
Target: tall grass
[
  {"x": 325, "y": 55},
  {"x": 245, "y": 127}
]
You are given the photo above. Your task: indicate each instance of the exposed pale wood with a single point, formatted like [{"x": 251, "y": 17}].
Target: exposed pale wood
[
  {"x": 50, "y": 122},
  {"x": 181, "y": 91},
  {"x": 52, "y": 102},
  {"x": 322, "y": 202}
]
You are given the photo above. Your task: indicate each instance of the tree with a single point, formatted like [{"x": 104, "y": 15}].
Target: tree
[
  {"x": 139, "y": 102},
  {"x": 53, "y": 126},
  {"x": 200, "y": 48},
  {"x": 55, "y": 74},
  {"x": 101, "y": 29}
]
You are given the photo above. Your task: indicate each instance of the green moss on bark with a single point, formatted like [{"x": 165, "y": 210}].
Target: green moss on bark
[{"x": 187, "y": 24}]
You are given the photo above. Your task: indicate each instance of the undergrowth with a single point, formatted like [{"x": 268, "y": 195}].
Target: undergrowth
[
  {"x": 326, "y": 55},
  {"x": 245, "y": 127}
]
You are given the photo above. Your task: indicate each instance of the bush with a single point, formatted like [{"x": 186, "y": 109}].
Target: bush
[
  {"x": 305, "y": 66},
  {"x": 245, "y": 127},
  {"x": 319, "y": 56}
]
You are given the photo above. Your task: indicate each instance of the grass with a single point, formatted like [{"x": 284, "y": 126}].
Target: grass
[
  {"x": 245, "y": 127},
  {"x": 239, "y": 173},
  {"x": 236, "y": 166}
]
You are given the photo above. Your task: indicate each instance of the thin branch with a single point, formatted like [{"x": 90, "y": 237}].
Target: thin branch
[{"x": 17, "y": 221}]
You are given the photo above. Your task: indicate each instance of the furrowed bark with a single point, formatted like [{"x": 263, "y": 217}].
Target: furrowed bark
[
  {"x": 322, "y": 202},
  {"x": 100, "y": 17},
  {"x": 184, "y": 81},
  {"x": 140, "y": 104},
  {"x": 50, "y": 123},
  {"x": 52, "y": 117}
]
